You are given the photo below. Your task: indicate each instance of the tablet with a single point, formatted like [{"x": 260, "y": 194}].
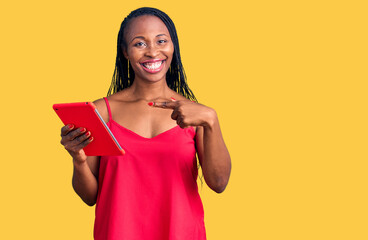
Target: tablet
[{"x": 85, "y": 114}]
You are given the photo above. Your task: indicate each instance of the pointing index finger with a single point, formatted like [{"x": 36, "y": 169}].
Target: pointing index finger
[{"x": 170, "y": 105}]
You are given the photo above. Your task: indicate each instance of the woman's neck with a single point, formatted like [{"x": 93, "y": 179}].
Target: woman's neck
[{"x": 150, "y": 91}]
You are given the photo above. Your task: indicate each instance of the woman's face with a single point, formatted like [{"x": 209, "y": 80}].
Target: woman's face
[{"x": 149, "y": 47}]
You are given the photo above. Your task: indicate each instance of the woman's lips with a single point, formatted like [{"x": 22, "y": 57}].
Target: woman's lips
[{"x": 153, "y": 66}]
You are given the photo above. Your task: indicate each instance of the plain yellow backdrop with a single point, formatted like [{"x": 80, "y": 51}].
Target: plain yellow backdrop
[{"x": 288, "y": 80}]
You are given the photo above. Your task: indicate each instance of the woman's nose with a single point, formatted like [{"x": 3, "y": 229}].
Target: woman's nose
[{"x": 151, "y": 51}]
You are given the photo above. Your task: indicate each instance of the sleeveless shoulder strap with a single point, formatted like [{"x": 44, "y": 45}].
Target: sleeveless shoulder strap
[{"x": 108, "y": 108}]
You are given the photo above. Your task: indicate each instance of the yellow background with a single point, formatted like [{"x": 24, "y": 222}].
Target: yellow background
[{"x": 288, "y": 80}]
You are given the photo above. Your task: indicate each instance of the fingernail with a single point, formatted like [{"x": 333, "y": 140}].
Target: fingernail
[
  {"x": 173, "y": 98},
  {"x": 193, "y": 101},
  {"x": 88, "y": 133},
  {"x": 91, "y": 139},
  {"x": 150, "y": 103},
  {"x": 70, "y": 126},
  {"x": 82, "y": 129}
]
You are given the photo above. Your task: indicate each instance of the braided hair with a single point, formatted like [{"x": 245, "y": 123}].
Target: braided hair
[{"x": 124, "y": 75}]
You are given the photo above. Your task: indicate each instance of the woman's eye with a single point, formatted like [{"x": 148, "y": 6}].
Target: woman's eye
[
  {"x": 161, "y": 41},
  {"x": 139, "y": 44}
]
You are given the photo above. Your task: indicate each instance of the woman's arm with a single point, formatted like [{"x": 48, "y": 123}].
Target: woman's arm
[
  {"x": 85, "y": 175},
  {"x": 211, "y": 149},
  {"x": 212, "y": 153},
  {"x": 85, "y": 171}
]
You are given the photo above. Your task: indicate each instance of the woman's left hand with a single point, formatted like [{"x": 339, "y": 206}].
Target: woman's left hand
[
  {"x": 213, "y": 155},
  {"x": 188, "y": 113}
]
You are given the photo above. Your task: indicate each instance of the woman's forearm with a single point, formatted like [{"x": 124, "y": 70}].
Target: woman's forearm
[
  {"x": 216, "y": 164},
  {"x": 85, "y": 183}
]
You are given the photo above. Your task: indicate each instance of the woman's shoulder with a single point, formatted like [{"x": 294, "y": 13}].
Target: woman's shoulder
[
  {"x": 101, "y": 104},
  {"x": 102, "y": 109}
]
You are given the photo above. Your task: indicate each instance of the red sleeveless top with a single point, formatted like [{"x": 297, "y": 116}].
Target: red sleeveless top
[{"x": 151, "y": 192}]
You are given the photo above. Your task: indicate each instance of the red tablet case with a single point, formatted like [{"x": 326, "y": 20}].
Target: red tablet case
[{"x": 85, "y": 114}]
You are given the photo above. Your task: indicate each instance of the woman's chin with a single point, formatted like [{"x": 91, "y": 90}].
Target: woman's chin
[{"x": 153, "y": 77}]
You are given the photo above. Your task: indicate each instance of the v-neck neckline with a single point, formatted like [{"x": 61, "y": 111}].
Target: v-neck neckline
[{"x": 136, "y": 134}]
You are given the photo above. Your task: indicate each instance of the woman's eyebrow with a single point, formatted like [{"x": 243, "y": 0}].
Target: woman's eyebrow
[
  {"x": 141, "y": 37},
  {"x": 162, "y": 34}
]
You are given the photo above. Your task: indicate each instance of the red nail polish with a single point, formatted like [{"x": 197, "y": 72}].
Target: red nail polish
[
  {"x": 193, "y": 101},
  {"x": 91, "y": 139},
  {"x": 173, "y": 98},
  {"x": 70, "y": 126},
  {"x": 82, "y": 129},
  {"x": 150, "y": 103},
  {"x": 88, "y": 133}
]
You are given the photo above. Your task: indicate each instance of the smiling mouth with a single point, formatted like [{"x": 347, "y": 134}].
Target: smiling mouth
[{"x": 152, "y": 66}]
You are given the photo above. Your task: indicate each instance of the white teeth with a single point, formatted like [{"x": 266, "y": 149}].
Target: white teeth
[{"x": 152, "y": 66}]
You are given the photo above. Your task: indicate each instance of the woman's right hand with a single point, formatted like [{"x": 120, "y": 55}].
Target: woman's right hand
[{"x": 74, "y": 140}]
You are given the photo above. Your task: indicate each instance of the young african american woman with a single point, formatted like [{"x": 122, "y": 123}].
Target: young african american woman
[{"x": 151, "y": 192}]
